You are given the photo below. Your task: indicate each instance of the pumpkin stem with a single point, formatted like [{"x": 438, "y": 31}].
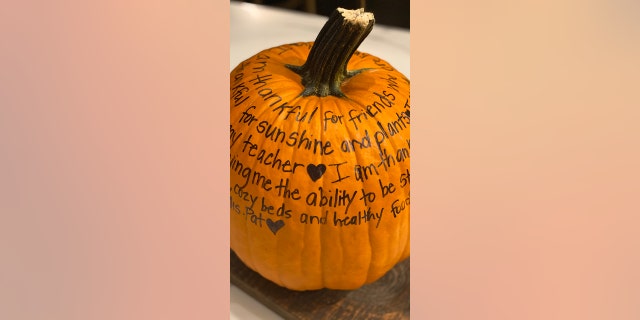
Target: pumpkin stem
[{"x": 326, "y": 66}]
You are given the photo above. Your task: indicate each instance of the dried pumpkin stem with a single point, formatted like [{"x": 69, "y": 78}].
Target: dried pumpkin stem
[{"x": 326, "y": 66}]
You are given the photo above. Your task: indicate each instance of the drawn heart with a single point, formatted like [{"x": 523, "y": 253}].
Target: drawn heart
[
  {"x": 275, "y": 226},
  {"x": 315, "y": 172}
]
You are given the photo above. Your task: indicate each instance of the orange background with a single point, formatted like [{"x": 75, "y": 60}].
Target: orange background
[
  {"x": 525, "y": 166},
  {"x": 111, "y": 122},
  {"x": 528, "y": 174}
]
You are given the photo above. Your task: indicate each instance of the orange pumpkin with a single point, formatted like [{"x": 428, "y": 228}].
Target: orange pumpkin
[{"x": 320, "y": 160}]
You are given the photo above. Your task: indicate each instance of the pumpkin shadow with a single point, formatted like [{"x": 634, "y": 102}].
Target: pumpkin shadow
[{"x": 386, "y": 298}]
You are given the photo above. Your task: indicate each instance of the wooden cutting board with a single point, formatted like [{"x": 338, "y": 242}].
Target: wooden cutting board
[{"x": 387, "y": 298}]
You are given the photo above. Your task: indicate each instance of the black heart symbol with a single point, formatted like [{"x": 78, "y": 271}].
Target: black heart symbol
[
  {"x": 275, "y": 226},
  {"x": 315, "y": 172}
]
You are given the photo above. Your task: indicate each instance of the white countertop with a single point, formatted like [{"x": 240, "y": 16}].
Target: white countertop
[{"x": 255, "y": 28}]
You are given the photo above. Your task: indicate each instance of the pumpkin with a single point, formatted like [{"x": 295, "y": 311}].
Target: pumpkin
[{"x": 319, "y": 161}]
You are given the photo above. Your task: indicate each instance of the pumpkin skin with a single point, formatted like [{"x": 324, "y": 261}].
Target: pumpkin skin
[{"x": 319, "y": 184}]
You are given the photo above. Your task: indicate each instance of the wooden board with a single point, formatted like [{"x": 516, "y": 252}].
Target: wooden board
[{"x": 387, "y": 298}]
